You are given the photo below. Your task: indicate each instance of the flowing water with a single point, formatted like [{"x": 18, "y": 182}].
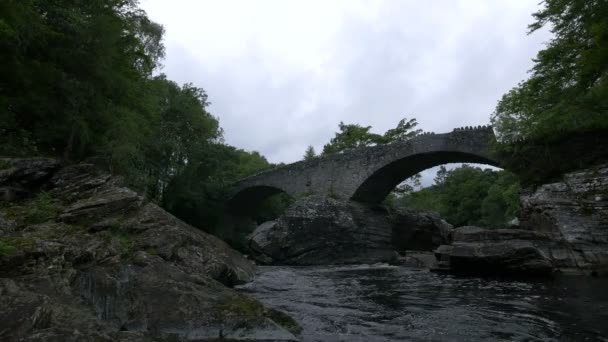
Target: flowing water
[{"x": 389, "y": 303}]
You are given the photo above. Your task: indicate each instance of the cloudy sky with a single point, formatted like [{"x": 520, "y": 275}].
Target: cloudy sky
[{"x": 282, "y": 74}]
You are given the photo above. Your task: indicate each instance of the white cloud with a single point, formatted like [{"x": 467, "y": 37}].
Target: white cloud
[{"x": 282, "y": 74}]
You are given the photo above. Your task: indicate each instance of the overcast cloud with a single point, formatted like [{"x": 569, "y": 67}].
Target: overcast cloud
[{"x": 282, "y": 74}]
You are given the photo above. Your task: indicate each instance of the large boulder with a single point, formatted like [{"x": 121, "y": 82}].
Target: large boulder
[
  {"x": 419, "y": 231},
  {"x": 91, "y": 260},
  {"x": 322, "y": 230},
  {"x": 502, "y": 251}
]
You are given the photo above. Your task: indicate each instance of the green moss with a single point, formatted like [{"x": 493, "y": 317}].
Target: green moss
[
  {"x": 6, "y": 248},
  {"x": 246, "y": 312},
  {"x": 284, "y": 320},
  {"x": 38, "y": 210},
  {"x": 126, "y": 244},
  {"x": 151, "y": 251},
  {"x": 239, "y": 308},
  {"x": 11, "y": 245},
  {"x": 5, "y": 164},
  {"x": 41, "y": 209}
]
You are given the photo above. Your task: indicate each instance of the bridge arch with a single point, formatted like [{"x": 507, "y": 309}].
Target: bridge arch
[
  {"x": 246, "y": 199},
  {"x": 380, "y": 183}
]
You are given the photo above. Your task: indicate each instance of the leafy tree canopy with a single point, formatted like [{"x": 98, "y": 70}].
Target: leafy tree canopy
[
  {"x": 354, "y": 135},
  {"x": 77, "y": 81},
  {"x": 568, "y": 86},
  {"x": 468, "y": 196}
]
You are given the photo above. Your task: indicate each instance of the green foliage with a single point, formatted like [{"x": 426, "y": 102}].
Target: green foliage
[
  {"x": 309, "y": 153},
  {"x": 405, "y": 130},
  {"x": 351, "y": 136},
  {"x": 539, "y": 161},
  {"x": 74, "y": 73},
  {"x": 40, "y": 209},
  {"x": 354, "y": 135},
  {"x": 198, "y": 192},
  {"x": 567, "y": 91},
  {"x": 126, "y": 244},
  {"x": 12, "y": 245},
  {"x": 77, "y": 81},
  {"x": 6, "y": 248},
  {"x": 469, "y": 196}
]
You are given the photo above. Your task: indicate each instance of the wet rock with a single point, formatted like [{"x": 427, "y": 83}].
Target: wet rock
[
  {"x": 26, "y": 173},
  {"x": 114, "y": 268},
  {"x": 321, "y": 231},
  {"x": 111, "y": 202},
  {"x": 421, "y": 231},
  {"x": 416, "y": 259},
  {"x": 574, "y": 211},
  {"x": 81, "y": 181},
  {"x": 12, "y": 193},
  {"x": 502, "y": 251},
  {"x": 6, "y": 225},
  {"x": 154, "y": 230},
  {"x": 476, "y": 234}
]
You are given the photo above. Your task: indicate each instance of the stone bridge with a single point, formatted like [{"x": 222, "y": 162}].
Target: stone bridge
[{"x": 368, "y": 174}]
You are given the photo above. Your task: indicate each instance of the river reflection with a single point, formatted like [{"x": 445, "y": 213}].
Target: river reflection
[{"x": 388, "y": 303}]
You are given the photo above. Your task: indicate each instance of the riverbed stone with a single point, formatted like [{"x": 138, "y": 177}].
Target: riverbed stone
[
  {"x": 320, "y": 230},
  {"x": 416, "y": 259},
  {"x": 476, "y": 250},
  {"x": 420, "y": 231}
]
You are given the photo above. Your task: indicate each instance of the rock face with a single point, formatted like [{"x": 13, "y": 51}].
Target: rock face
[
  {"x": 564, "y": 228},
  {"x": 19, "y": 177},
  {"x": 321, "y": 231},
  {"x": 575, "y": 211},
  {"x": 89, "y": 259},
  {"x": 419, "y": 231},
  {"x": 501, "y": 251}
]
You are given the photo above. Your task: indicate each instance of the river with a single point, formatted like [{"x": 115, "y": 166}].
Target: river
[{"x": 390, "y": 303}]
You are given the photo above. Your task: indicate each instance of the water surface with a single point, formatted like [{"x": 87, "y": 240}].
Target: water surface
[{"x": 389, "y": 303}]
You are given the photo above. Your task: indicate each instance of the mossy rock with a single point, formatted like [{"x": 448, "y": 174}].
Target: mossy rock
[
  {"x": 4, "y": 164},
  {"x": 284, "y": 320},
  {"x": 239, "y": 308},
  {"x": 40, "y": 209},
  {"x": 246, "y": 312},
  {"x": 6, "y": 248}
]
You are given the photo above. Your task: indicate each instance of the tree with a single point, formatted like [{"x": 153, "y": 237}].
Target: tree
[
  {"x": 354, "y": 135},
  {"x": 310, "y": 153},
  {"x": 73, "y": 75},
  {"x": 351, "y": 136},
  {"x": 567, "y": 90},
  {"x": 77, "y": 81},
  {"x": 441, "y": 175},
  {"x": 405, "y": 130},
  {"x": 469, "y": 196}
]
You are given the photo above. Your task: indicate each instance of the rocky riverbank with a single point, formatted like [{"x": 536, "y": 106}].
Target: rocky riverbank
[
  {"x": 563, "y": 228},
  {"x": 82, "y": 257}
]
